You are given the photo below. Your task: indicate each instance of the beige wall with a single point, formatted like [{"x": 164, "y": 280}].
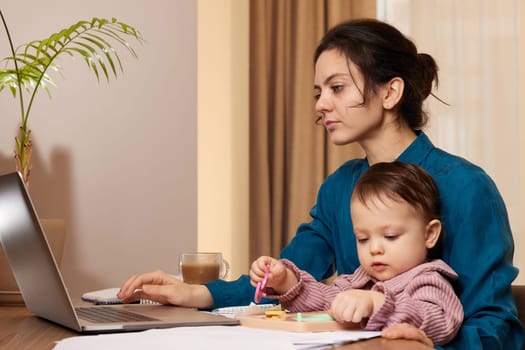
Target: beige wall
[
  {"x": 520, "y": 235},
  {"x": 117, "y": 161},
  {"x": 223, "y": 130}
]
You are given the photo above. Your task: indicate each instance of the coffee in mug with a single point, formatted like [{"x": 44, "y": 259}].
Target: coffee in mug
[{"x": 199, "y": 268}]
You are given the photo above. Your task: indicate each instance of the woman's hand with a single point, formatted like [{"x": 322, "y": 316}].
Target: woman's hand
[
  {"x": 406, "y": 331},
  {"x": 355, "y": 304},
  {"x": 165, "y": 289}
]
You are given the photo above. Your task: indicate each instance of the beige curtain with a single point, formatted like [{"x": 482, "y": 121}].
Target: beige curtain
[
  {"x": 289, "y": 154},
  {"x": 478, "y": 46}
]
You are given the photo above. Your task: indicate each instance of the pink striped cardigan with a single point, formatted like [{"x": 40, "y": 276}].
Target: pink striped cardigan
[{"x": 421, "y": 296}]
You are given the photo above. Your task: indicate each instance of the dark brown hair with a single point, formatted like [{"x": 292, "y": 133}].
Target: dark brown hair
[
  {"x": 402, "y": 181},
  {"x": 382, "y": 52}
]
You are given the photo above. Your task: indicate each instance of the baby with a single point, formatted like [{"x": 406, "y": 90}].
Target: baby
[{"x": 395, "y": 214}]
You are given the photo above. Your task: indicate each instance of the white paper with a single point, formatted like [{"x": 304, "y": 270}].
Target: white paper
[
  {"x": 219, "y": 337},
  {"x": 324, "y": 340}
]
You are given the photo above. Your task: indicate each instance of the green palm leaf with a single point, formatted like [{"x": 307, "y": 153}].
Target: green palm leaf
[{"x": 94, "y": 41}]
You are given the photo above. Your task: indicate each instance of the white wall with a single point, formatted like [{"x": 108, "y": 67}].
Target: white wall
[{"x": 118, "y": 161}]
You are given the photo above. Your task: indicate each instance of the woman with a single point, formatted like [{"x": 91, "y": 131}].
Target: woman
[{"x": 370, "y": 84}]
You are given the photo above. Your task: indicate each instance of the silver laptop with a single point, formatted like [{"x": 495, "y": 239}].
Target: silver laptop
[{"x": 43, "y": 288}]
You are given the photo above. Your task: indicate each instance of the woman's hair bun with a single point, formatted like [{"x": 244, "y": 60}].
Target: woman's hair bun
[{"x": 428, "y": 72}]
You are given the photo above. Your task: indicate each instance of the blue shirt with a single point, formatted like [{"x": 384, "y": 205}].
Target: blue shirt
[{"x": 477, "y": 244}]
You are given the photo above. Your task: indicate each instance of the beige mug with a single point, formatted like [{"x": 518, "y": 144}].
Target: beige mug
[{"x": 199, "y": 268}]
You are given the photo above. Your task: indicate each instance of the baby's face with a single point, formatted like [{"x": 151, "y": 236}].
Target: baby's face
[{"x": 390, "y": 236}]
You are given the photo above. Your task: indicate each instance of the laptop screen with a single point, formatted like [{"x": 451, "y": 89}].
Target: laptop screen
[{"x": 28, "y": 253}]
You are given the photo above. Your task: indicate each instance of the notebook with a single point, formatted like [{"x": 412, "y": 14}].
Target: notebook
[
  {"x": 107, "y": 296},
  {"x": 43, "y": 288}
]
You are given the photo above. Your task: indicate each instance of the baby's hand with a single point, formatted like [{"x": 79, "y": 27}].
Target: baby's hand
[
  {"x": 276, "y": 277},
  {"x": 258, "y": 269},
  {"x": 355, "y": 304}
]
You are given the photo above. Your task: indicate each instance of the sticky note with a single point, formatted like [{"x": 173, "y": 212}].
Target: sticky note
[{"x": 312, "y": 318}]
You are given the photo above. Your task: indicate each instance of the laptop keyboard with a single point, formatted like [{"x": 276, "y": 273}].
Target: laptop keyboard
[{"x": 105, "y": 314}]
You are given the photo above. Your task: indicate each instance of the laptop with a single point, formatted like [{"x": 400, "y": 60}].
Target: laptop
[{"x": 42, "y": 286}]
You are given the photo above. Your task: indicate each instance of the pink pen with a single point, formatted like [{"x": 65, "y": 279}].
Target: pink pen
[{"x": 261, "y": 286}]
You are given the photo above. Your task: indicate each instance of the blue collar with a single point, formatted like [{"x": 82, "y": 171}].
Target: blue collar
[{"x": 418, "y": 150}]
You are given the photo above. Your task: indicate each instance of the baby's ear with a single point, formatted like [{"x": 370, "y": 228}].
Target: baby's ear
[{"x": 432, "y": 232}]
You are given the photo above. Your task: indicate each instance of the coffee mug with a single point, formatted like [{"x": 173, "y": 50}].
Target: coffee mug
[{"x": 199, "y": 268}]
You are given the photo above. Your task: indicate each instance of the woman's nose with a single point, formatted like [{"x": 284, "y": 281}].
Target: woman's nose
[{"x": 323, "y": 104}]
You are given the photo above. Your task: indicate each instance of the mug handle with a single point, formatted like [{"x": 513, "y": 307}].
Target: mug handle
[{"x": 225, "y": 268}]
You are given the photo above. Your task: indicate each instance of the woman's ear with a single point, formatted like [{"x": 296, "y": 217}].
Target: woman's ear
[
  {"x": 433, "y": 230},
  {"x": 393, "y": 92}
]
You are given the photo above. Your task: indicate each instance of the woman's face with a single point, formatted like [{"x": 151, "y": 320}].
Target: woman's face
[{"x": 338, "y": 86}]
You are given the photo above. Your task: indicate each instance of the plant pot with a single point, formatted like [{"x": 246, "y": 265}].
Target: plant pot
[{"x": 54, "y": 230}]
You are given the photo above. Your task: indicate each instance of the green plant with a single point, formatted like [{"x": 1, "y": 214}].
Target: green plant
[{"x": 92, "y": 40}]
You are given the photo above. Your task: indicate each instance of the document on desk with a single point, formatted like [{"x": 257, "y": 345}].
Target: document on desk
[{"x": 222, "y": 337}]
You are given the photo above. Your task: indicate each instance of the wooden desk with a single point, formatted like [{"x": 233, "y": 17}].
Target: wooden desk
[{"x": 20, "y": 330}]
